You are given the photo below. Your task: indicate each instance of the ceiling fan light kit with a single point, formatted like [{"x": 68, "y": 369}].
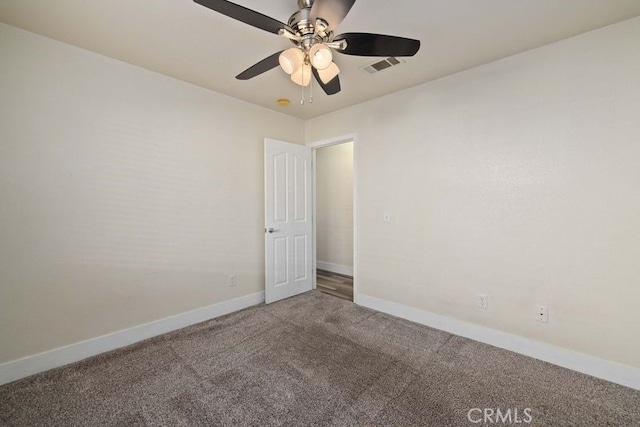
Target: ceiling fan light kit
[
  {"x": 302, "y": 76},
  {"x": 291, "y": 59},
  {"x": 329, "y": 73},
  {"x": 320, "y": 56},
  {"x": 311, "y": 30}
]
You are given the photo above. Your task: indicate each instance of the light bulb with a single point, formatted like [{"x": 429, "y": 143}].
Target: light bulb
[
  {"x": 302, "y": 76},
  {"x": 291, "y": 59},
  {"x": 329, "y": 73},
  {"x": 320, "y": 56}
]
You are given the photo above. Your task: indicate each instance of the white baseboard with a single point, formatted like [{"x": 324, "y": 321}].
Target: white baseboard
[
  {"x": 30, "y": 365},
  {"x": 335, "y": 268},
  {"x": 611, "y": 371}
]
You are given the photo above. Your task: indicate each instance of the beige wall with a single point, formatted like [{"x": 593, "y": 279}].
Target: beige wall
[
  {"x": 125, "y": 196},
  {"x": 334, "y": 208},
  {"x": 519, "y": 179}
]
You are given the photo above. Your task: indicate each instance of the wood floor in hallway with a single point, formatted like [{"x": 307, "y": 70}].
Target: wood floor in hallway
[{"x": 335, "y": 284}]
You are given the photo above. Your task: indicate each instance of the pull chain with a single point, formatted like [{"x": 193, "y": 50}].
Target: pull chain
[
  {"x": 311, "y": 91},
  {"x": 302, "y": 86}
]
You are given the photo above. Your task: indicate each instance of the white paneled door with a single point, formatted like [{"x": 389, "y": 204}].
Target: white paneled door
[{"x": 288, "y": 223}]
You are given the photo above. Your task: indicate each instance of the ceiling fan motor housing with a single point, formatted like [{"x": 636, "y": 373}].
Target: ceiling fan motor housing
[{"x": 300, "y": 23}]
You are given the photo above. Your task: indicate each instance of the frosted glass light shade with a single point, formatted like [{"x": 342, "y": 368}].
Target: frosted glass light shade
[
  {"x": 329, "y": 73},
  {"x": 320, "y": 56},
  {"x": 290, "y": 60},
  {"x": 302, "y": 76}
]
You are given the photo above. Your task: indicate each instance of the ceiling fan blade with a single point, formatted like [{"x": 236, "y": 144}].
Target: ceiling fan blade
[
  {"x": 332, "y": 11},
  {"x": 265, "y": 65},
  {"x": 330, "y": 88},
  {"x": 365, "y": 44},
  {"x": 243, "y": 14}
]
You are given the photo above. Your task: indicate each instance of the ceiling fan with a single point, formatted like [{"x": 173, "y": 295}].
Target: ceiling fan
[{"x": 311, "y": 30}]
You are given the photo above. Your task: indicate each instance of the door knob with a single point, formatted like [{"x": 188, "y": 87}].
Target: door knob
[{"x": 271, "y": 230}]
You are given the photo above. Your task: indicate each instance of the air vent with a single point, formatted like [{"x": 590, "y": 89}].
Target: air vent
[{"x": 385, "y": 64}]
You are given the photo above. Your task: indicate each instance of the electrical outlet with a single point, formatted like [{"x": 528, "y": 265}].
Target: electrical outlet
[
  {"x": 386, "y": 216},
  {"x": 232, "y": 280},
  {"x": 483, "y": 301},
  {"x": 542, "y": 313}
]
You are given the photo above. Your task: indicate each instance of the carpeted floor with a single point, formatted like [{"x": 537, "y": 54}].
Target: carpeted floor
[{"x": 312, "y": 360}]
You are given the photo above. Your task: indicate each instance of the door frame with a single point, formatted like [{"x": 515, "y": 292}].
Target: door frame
[{"x": 352, "y": 137}]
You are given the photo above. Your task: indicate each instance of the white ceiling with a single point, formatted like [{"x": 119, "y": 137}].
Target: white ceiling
[{"x": 187, "y": 41}]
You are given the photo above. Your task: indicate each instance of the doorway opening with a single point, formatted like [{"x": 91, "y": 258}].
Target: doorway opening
[{"x": 335, "y": 217}]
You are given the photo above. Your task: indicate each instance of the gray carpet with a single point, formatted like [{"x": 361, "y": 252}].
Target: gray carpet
[{"x": 311, "y": 360}]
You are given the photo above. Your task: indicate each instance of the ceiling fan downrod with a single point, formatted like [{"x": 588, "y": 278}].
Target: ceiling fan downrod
[{"x": 305, "y": 4}]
